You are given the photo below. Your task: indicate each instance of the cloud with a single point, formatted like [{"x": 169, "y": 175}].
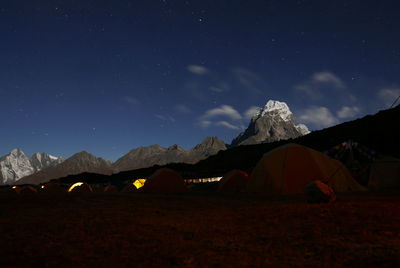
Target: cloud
[
  {"x": 328, "y": 78},
  {"x": 181, "y": 108},
  {"x": 197, "y": 69},
  {"x": 348, "y": 112},
  {"x": 223, "y": 110},
  {"x": 249, "y": 80},
  {"x": 250, "y": 112},
  {"x": 313, "y": 86},
  {"x": 226, "y": 124},
  {"x": 318, "y": 117},
  {"x": 131, "y": 100},
  {"x": 389, "y": 95},
  {"x": 208, "y": 119},
  {"x": 166, "y": 118}
]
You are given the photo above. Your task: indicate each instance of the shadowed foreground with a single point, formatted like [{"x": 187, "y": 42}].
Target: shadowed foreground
[{"x": 183, "y": 230}]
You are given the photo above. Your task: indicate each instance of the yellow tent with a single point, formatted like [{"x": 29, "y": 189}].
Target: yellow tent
[
  {"x": 80, "y": 187},
  {"x": 139, "y": 183},
  {"x": 385, "y": 174},
  {"x": 290, "y": 168}
]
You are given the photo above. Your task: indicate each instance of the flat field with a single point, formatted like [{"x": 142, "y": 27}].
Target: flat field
[{"x": 198, "y": 230}]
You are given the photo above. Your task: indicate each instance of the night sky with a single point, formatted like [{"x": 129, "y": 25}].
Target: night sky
[{"x": 110, "y": 76}]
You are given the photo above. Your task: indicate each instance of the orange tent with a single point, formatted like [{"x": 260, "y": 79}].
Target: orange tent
[
  {"x": 165, "y": 180},
  {"x": 289, "y": 168},
  {"x": 233, "y": 181}
]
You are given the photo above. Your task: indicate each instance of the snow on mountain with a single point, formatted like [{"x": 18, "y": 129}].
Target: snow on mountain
[
  {"x": 271, "y": 123},
  {"x": 16, "y": 165}
]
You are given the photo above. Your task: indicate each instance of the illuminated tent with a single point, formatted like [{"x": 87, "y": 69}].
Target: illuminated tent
[
  {"x": 233, "y": 181},
  {"x": 7, "y": 190},
  {"x": 165, "y": 180},
  {"x": 80, "y": 187},
  {"x": 25, "y": 190},
  {"x": 110, "y": 189},
  {"x": 139, "y": 183},
  {"x": 385, "y": 174},
  {"x": 290, "y": 168},
  {"x": 52, "y": 188}
]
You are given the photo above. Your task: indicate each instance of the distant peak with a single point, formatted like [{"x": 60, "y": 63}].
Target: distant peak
[
  {"x": 276, "y": 106},
  {"x": 17, "y": 151}
]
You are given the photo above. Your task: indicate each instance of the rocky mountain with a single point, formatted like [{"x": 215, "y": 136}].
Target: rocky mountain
[
  {"x": 148, "y": 156},
  {"x": 271, "y": 123},
  {"x": 16, "y": 165},
  {"x": 76, "y": 164}
]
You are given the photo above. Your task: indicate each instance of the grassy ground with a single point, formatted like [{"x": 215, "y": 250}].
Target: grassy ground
[{"x": 138, "y": 230}]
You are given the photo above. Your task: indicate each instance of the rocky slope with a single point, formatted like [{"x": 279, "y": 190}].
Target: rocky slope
[
  {"x": 16, "y": 165},
  {"x": 272, "y": 123},
  {"x": 76, "y": 164},
  {"x": 148, "y": 156}
]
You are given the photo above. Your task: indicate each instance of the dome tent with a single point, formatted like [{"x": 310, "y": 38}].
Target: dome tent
[
  {"x": 165, "y": 180},
  {"x": 290, "y": 168},
  {"x": 52, "y": 188},
  {"x": 233, "y": 181},
  {"x": 80, "y": 187},
  {"x": 110, "y": 189}
]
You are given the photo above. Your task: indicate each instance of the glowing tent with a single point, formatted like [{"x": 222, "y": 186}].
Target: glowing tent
[
  {"x": 139, "y": 183},
  {"x": 290, "y": 168},
  {"x": 165, "y": 180},
  {"x": 80, "y": 187},
  {"x": 385, "y": 174},
  {"x": 233, "y": 181}
]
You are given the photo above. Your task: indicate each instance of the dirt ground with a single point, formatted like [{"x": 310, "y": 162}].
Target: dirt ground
[{"x": 202, "y": 230}]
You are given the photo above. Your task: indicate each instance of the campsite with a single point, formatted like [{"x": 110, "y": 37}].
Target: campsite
[{"x": 263, "y": 219}]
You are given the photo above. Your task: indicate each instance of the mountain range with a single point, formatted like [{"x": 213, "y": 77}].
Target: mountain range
[
  {"x": 273, "y": 122},
  {"x": 16, "y": 165}
]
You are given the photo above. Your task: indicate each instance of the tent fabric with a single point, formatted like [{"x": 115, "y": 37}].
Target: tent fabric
[
  {"x": 52, "y": 188},
  {"x": 80, "y": 187},
  {"x": 110, "y": 189},
  {"x": 26, "y": 190},
  {"x": 129, "y": 188},
  {"x": 385, "y": 174},
  {"x": 290, "y": 168},
  {"x": 233, "y": 181},
  {"x": 165, "y": 180}
]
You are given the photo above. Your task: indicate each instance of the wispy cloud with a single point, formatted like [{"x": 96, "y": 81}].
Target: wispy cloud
[
  {"x": 318, "y": 117},
  {"x": 197, "y": 69},
  {"x": 250, "y": 80},
  {"x": 226, "y": 124},
  {"x": 223, "y": 110},
  {"x": 250, "y": 112},
  {"x": 318, "y": 81},
  {"x": 348, "y": 112},
  {"x": 388, "y": 95},
  {"x": 131, "y": 100},
  {"x": 212, "y": 117}
]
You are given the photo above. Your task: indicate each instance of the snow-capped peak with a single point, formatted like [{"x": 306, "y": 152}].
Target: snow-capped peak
[{"x": 276, "y": 106}]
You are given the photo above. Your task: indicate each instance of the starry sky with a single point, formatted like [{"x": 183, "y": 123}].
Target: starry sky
[{"x": 110, "y": 76}]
